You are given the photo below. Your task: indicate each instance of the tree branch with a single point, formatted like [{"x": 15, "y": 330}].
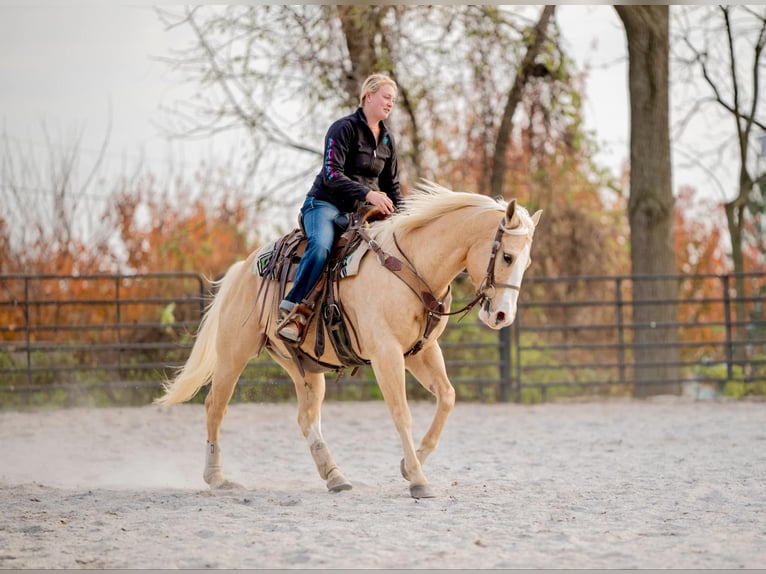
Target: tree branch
[{"x": 539, "y": 35}]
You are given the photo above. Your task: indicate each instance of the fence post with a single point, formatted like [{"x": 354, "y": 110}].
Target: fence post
[
  {"x": 201, "y": 281},
  {"x": 620, "y": 331},
  {"x": 504, "y": 341},
  {"x": 727, "y": 319},
  {"x": 27, "y": 331},
  {"x": 515, "y": 341},
  {"x": 118, "y": 322}
]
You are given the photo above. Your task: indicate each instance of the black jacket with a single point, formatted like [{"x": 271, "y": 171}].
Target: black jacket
[{"x": 353, "y": 165}]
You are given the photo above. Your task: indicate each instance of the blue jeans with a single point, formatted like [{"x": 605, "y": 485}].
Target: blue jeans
[{"x": 320, "y": 220}]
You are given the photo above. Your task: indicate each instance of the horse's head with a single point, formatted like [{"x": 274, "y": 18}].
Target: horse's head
[{"x": 509, "y": 256}]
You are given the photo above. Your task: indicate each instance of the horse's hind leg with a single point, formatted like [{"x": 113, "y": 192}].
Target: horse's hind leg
[
  {"x": 216, "y": 405},
  {"x": 310, "y": 390},
  {"x": 233, "y": 355},
  {"x": 429, "y": 369}
]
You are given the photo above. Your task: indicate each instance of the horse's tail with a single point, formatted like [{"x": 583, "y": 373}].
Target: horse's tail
[{"x": 198, "y": 369}]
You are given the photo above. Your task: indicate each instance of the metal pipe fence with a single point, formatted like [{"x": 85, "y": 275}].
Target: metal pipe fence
[
  {"x": 589, "y": 339},
  {"x": 66, "y": 339}
]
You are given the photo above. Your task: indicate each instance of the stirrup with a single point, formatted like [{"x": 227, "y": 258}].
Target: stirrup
[{"x": 292, "y": 328}]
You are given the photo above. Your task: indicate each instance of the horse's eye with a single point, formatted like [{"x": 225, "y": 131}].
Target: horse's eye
[{"x": 508, "y": 258}]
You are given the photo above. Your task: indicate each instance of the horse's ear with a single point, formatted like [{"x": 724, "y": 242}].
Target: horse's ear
[
  {"x": 510, "y": 211},
  {"x": 536, "y": 216}
]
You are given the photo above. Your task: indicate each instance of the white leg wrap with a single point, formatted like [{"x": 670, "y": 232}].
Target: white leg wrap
[
  {"x": 322, "y": 458},
  {"x": 213, "y": 469}
]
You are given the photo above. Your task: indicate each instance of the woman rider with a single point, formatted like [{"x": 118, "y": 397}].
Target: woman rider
[{"x": 360, "y": 165}]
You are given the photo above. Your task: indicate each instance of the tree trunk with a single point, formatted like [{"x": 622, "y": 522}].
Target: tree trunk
[
  {"x": 650, "y": 206},
  {"x": 735, "y": 216},
  {"x": 368, "y": 47},
  {"x": 361, "y": 27}
]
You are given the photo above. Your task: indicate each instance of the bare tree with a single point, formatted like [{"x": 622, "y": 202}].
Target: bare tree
[
  {"x": 253, "y": 62},
  {"x": 725, "y": 46},
  {"x": 50, "y": 202},
  {"x": 528, "y": 68}
]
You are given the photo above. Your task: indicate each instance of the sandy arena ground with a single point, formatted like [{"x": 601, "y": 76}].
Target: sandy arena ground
[{"x": 663, "y": 483}]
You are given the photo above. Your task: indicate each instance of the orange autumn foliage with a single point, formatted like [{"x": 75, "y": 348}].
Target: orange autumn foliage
[
  {"x": 702, "y": 245},
  {"x": 204, "y": 238},
  {"x": 157, "y": 235}
]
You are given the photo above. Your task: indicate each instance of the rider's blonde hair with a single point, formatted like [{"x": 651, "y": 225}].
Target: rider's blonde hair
[{"x": 373, "y": 83}]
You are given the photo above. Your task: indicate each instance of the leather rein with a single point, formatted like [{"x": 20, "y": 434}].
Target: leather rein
[{"x": 435, "y": 308}]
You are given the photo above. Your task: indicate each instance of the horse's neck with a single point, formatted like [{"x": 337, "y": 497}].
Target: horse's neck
[{"x": 439, "y": 250}]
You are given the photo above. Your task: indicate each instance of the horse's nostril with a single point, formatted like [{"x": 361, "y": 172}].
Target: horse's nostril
[{"x": 499, "y": 318}]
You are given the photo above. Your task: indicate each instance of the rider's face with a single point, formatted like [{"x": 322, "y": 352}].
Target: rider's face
[{"x": 381, "y": 103}]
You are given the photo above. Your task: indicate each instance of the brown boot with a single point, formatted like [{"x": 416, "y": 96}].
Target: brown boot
[{"x": 292, "y": 327}]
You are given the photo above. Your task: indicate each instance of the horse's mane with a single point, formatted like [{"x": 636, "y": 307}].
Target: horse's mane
[{"x": 426, "y": 202}]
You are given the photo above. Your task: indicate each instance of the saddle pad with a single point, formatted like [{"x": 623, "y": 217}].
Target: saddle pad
[
  {"x": 349, "y": 265},
  {"x": 263, "y": 257}
]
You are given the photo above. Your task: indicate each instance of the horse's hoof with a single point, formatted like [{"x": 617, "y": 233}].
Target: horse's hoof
[
  {"x": 337, "y": 483},
  {"x": 421, "y": 491},
  {"x": 214, "y": 479},
  {"x": 227, "y": 485}
]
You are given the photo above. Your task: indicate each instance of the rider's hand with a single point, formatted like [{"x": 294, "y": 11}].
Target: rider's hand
[{"x": 380, "y": 200}]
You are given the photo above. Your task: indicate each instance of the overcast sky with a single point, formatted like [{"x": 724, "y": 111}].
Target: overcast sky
[{"x": 75, "y": 67}]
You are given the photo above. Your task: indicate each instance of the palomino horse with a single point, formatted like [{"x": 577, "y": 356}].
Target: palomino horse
[{"x": 439, "y": 233}]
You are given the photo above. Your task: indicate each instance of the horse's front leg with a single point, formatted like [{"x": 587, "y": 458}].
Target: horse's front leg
[
  {"x": 310, "y": 390},
  {"x": 389, "y": 371},
  {"x": 428, "y": 368}
]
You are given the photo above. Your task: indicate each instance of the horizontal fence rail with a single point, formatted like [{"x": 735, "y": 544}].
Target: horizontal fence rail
[{"x": 115, "y": 338}]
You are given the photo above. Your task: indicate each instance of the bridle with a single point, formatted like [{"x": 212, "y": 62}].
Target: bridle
[
  {"x": 435, "y": 308},
  {"x": 489, "y": 283}
]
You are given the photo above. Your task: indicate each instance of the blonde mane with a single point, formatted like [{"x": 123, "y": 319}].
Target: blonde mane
[{"x": 425, "y": 203}]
